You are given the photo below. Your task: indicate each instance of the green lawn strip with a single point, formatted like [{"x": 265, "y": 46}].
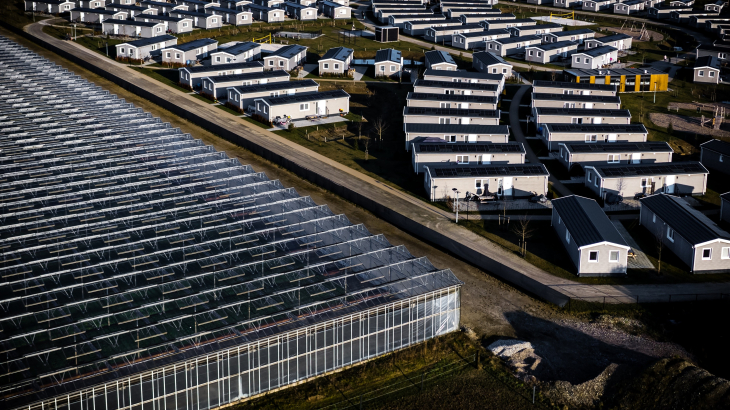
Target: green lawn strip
[
  {"x": 256, "y": 123},
  {"x": 228, "y": 110},
  {"x": 168, "y": 77}
]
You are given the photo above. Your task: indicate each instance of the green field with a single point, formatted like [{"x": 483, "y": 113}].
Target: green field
[{"x": 451, "y": 379}]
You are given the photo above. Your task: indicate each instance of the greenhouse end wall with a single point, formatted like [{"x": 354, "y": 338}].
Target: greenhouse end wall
[{"x": 245, "y": 371}]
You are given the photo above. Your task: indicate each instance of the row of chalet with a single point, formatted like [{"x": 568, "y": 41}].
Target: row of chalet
[
  {"x": 152, "y": 18},
  {"x": 586, "y": 126},
  {"x": 597, "y": 248},
  {"x": 453, "y": 131}
]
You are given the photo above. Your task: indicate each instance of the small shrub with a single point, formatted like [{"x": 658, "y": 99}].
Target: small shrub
[
  {"x": 262, "y": 120},
  {"x": 208, "y": 96},
  {"x": 291, "y": 127},
  {"x": 234, "y": 107}
]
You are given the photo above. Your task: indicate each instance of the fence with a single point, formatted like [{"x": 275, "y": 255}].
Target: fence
[
  {"x": 658, "y": 298},
  {"x": 307, "y": 35}
]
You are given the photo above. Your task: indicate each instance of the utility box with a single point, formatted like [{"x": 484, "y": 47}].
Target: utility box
[{"x": 386, "y": 34}]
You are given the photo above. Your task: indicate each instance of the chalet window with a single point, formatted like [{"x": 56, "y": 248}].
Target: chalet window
[
  {"x": 646, "y": 182},
  {"x": 725, "y": 254},
  {"x": 281, "y": 63},
  {"x": 177, "y": 56},
  {"x": 670, "y": 233},
  {"x": 653, "y": 218},
  {"x": 589, "y": 176},
  {"x": 504, "y": 71},
  {"x": 167, "y": 54},
  {"x": 530, "y": 52},
  {"x": 274, "y": 94},
  {"x": 337, "y": 66},
  {"x": 325, "y": 66},
  {"x": 593, "y": 256},
  {"x": 591, "y": 138},
  {"x": 382, "y": 68},
  {"x": 185, "y": 24},
  {"x": 613, "y": 256},
  {"x": 304, "y": 107},
  {"x": 218, "y": 59},
  {"x": 701, "y": 73},
  {"x": 444, "y": 120},
  {"x": 462, "y": 159},
  {"x": 577, "y": 59},
  {"x": 451, "y": 138},
  {"x": 711, "y": 73},
  {"x": 121, "y": 50},
  {"x": 614, "y": 158},
  {"x": 392, "y": 68},
  {"x": 707, "y": 253},
  {"x": 445, "y": 105},
  {"x": 271, "y": 62}
]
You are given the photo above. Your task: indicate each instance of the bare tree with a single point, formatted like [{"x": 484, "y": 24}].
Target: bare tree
[
  {"x": 380, "y": 126},
  {"x": 523, "y": 230},
  {"x": 659, "y": 236},
  {"x": 620, "y": 185}
]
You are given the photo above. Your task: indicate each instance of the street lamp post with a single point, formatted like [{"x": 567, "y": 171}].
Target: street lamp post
[
  {"x": 655, "y": 87},
  {"x": 456, "y": 192},
  {"x": 74, "y": 32}
]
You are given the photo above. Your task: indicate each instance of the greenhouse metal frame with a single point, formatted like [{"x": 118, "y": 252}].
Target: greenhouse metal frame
[{"x": 141, "y": 269}]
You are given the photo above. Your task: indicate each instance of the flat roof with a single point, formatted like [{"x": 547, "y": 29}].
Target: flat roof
[
  {"x": 279, "y": 85},
  {"x": 580, "y": 72},
  {"x": 489, "y": 171},
  {"x": 612, "y": 147},
  {"x": 337, "y": 53},
  {"x": 450, "y": 84},
  {"x": 589, "y": 128},
  {"x": 485, "y": 33},
  {"x": 456, "y": 112},
  {"x": 463, "y": 74},
  {"x": 388, "y": 54},
  {"x": 306, "y": 97},
  {"x": 588, "y": 112},
  {"x": 577, "y": 97},
  {"x": 247, "y": 76},
  {"x": 452, "y": 97},
  {"x": 554, "y": 46},
  {"x": 718, "y": 146},
  {"x": 223, "y": 67},
  {"x": 288, "y": 51},
  {"x": 439, "y": 57},
  {"x": 457, "y": 129},
  {"x": 586, "y": 221},
  {"x": 489, "y": 58},
  {"x": 566, "y": 84},
  {"x": 149, "y": 41},
  {"x": 444, "y": 147},
  {"x": 666, "y": 168},
  {"x": 598, "y": 51},
  {"x": 237, "y": 48},
  {"x": 194, "y": 44},
  {"x": 689, "y": 223}
]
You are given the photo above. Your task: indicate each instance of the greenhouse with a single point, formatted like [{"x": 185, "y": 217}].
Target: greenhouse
[{"x": 141, "y": 269}]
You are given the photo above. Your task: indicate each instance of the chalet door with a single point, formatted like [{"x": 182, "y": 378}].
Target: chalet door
[
  {"x": 466, "y": 92},
  {"x": 321, "y": 107},
  {"x": 636, "y": 158},
  {"x": 486, "y": 159},
  {"x": 471, "y": 138},
  {"x": 464, "y": 106},
  {"x": 588, "y": 105},
  {"x": 81, "y": 16},
  {"x": 263, "y": 81},
  {"x": 612, "y": 137},
  {"x": 116, "y": 29},
  {"x": 669, "y": 184},
  {"x": 596, "y": 120},
  {"x": 464, "y": 121},
  {"x": 586, "y": 92}
]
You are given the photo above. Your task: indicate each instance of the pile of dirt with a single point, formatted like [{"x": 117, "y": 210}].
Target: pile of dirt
[
  {"x": 671, "y": 384},
  {"x": 520, "y": 356},
  {"x": 585, "y": 395}
]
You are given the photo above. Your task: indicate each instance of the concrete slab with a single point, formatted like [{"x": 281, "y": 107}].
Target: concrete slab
[
  {"x": 359, "y": 72},
  {"x": 640, "y": 261},
  {"x": 308, "y": 68},
  {"x": 308, "y": 123}
]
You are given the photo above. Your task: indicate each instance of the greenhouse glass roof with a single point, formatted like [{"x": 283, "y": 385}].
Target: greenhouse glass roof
[{"x": 126, "y": 244}]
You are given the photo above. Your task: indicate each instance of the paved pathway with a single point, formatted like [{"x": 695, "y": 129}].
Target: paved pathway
[
  {"x": 514, "y": 120},
  {"x": 406, "y": 212},
  {"x": 308, "y": 68},
  {"x": 359, "y": 72}
]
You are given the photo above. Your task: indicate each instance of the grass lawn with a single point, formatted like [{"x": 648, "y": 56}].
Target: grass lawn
[
  {"x": 394, "y": 382},
  {"x": 167, "y": 77},
  {"x": 228, "y": 110},
  {"x": 386, "y": 159},
  {"x": 256, "y": 123}
]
